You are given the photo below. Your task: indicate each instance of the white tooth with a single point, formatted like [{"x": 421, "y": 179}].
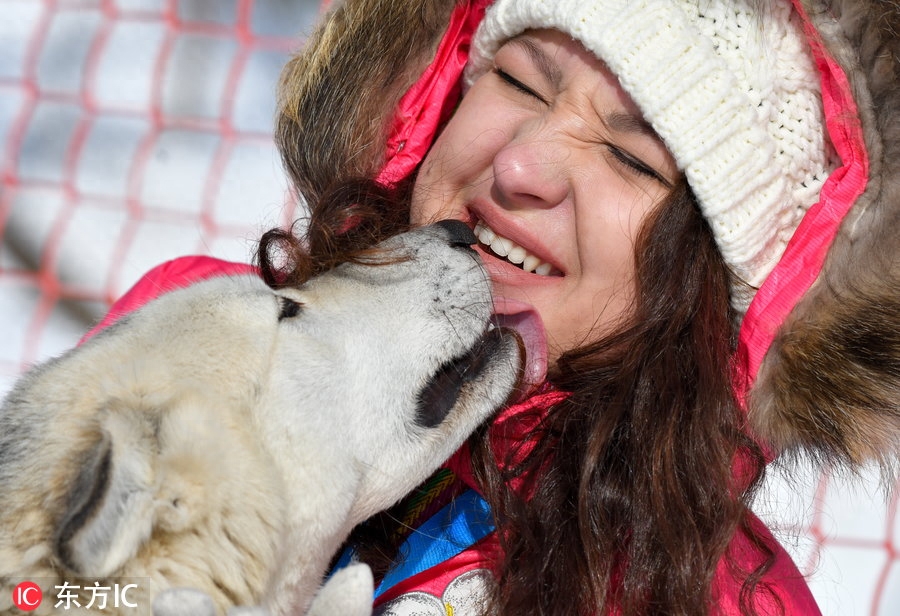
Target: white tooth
[
  {"x": 501, "y": 246},
  {"x": 517, "y": 254},
  {"x": 504, "y": 247},
  {"x": 530, "y": 264},
  {"x": 484, "y": 233}
]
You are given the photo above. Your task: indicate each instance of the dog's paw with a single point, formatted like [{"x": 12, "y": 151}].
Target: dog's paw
[
  {"x": 346, "y": 593},
  {"x": 183, "y": 602}
]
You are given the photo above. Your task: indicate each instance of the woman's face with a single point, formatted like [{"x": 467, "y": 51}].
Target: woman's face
[{"x": 551, "y": 163}]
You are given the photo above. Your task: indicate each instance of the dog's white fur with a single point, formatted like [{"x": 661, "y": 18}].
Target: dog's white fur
[{"x": 227, "y": 437}]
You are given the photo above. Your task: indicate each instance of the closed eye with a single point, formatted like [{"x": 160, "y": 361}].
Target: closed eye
[
  {"x": 517, "y": 85},
  {"x": 289, "y": 308},
  {"x": 637, "y": 166}
]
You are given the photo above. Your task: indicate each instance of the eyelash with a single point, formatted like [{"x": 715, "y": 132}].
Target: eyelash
[
  {"x": 516, "y": 84},
  {"x": 635, "y": 165}
]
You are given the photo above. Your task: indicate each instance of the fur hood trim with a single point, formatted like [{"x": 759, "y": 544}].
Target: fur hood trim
[
  {"x": 829, "y": 384},
  {"x": 821, "y": 342}
]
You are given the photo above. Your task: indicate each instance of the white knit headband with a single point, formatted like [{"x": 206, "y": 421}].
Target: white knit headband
[{"x": 730, "y": 87}]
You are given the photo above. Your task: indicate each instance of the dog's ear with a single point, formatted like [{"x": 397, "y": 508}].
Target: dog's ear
[{"x": 108, "y": 510}]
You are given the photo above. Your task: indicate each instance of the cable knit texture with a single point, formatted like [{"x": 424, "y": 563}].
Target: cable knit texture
[{"x": 737, "y": 104}]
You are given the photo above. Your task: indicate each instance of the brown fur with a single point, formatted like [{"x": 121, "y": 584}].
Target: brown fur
[
  {"x": 337, "y": 98},
  {"x": 830, "y": 384}
]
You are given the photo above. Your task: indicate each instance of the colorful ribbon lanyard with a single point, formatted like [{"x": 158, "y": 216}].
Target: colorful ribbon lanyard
[{"x": 462, "y": 523}]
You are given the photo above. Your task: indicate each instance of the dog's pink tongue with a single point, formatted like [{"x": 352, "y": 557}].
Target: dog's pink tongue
[{"x": 525, "y": 320}]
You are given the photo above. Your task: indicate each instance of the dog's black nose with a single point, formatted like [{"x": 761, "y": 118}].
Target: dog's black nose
[{"x": 458, "y": 234}]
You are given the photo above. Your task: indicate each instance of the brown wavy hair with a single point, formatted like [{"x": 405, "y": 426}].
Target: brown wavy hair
[
  {"x": 633, "y": 497},
  {"x": 343, "y": 226},
  {"x": 635, "y": 500}
]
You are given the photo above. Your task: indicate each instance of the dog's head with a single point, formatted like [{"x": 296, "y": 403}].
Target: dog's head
[
  {"x": 401, "y": 357},
  {"x": 344, "y": 394}
]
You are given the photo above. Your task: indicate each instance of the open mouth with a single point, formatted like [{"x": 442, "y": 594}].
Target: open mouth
[
  {"x": 504, "y": 248},
  {"x": 445, "y": 387}
]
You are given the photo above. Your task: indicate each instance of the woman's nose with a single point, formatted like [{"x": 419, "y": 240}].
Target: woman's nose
[{"x": 531, "y": 172}]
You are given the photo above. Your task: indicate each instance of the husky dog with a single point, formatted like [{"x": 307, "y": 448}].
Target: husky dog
[{"x": 227, "y": 437}]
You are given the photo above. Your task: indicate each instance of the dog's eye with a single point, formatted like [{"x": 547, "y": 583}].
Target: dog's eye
[{"x": 289, "y": 308}]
